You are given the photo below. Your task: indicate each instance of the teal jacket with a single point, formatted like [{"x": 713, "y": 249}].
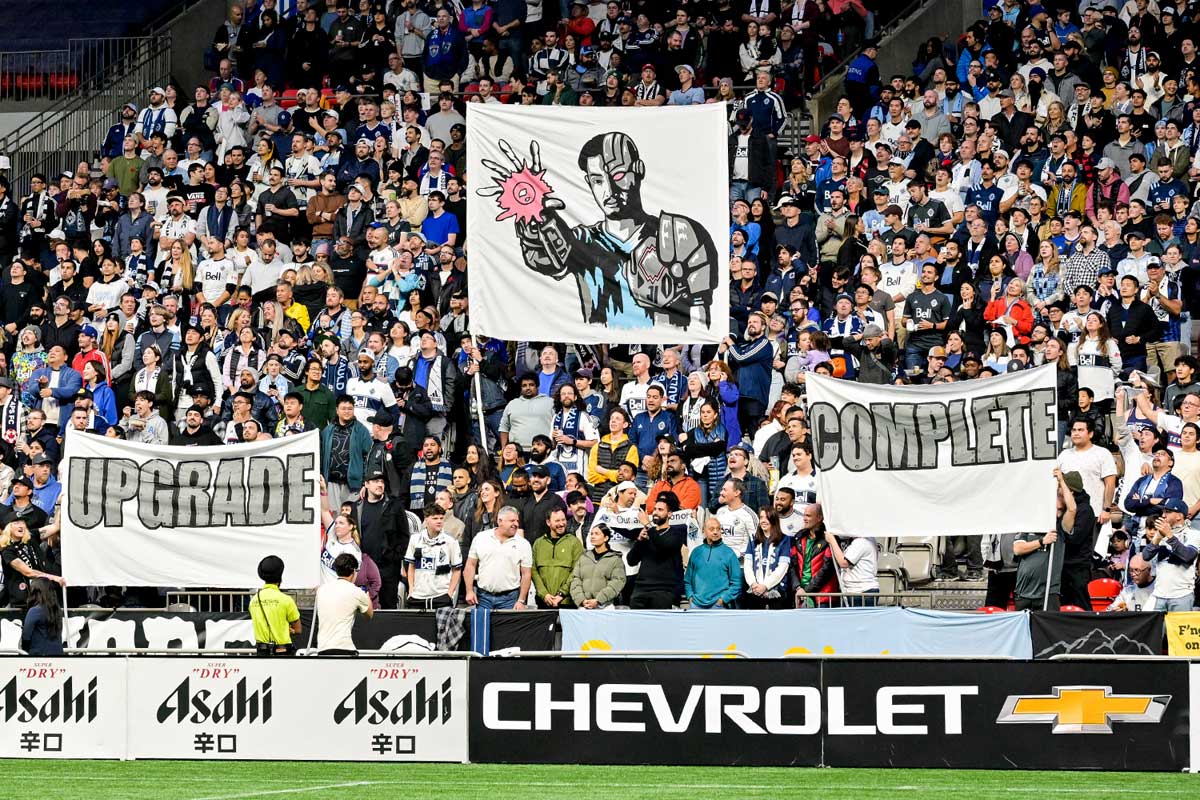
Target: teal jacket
[
  {"x": 360, "y": 446},
  {"x": 714, "y": 572}
]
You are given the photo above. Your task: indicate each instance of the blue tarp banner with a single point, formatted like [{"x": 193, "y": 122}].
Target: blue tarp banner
[{"x": 773, "y": 634}]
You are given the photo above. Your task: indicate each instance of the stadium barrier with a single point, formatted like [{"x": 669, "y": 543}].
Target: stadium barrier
[
  {"x": 1110, "y": 714},
  {"x": 867, "y": 632}
]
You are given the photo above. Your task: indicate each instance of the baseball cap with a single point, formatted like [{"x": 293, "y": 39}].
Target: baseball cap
[
  {"x": 625, "y": 486},
  {"x": 374, "y": 475},
  {"x": 40, "y": 458},
  {"x": 5, "y": 383},
  {"x": 937, "y": 352},
  {"x": 1175, "y": 504},
  {"x": 1106, "y": 163},
  {"x": 539, "y": 470},
  {"x": 872, "y": 330},
  {"x": 157, "y": 90},
  {"x": 88, "y": 330},
  {"x": 774, "y": 297},
  {"x": 383, "y": 418},
  {"x": 688, "y": 67},
  {"x": 785, "y": 200},
  {"x": 812, "y": 138}
]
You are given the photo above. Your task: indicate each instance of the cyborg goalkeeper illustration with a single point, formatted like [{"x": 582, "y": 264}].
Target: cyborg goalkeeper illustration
[{"x": 633, "y": 269}]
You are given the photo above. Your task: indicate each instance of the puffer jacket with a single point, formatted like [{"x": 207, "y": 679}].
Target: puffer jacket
[{"x": 599, "y": 578}]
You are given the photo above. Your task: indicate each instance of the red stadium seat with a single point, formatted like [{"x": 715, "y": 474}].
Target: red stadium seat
[
  {"x": 289, "y": 99},
  {"x": 30, "y": 83},
  {"x": 989, "y": 610},
  {"x": 1073, "y": 609},
  {"x": 1103, "y": 591},
  {"x": 63, "y": 82}
]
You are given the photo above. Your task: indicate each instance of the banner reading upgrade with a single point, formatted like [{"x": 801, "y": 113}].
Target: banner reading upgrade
[
  {"x": 190, "y": 516},
  {"x": 934, "y": 459}
]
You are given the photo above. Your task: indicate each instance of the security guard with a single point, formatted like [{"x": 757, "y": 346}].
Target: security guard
[{"x": 274, "y": 613}]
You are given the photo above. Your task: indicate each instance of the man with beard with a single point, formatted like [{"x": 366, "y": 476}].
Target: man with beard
[
  {"x": 371, "y": 392},
  {"x": 676, "y": 480},
  {"x": 438, "y": 376},
  {"x": 574, "y": 430},
  {"x": 657, "y": 552},
  {"x": 262, "y": 406},
  {"x": 430, "y": 474},
  {"x": 540, "y": 451},
  {"x": 192, "y": 432},
  {"x": 540, "y": 503},
  {"x": 384, "y": 527}
]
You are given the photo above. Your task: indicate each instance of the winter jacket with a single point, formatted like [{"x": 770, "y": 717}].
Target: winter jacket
[
  {"x": 553, "y": 564},
  {"x": 813, "y": 567},
  {"x": 714, "y": 572},
  {"x": 1020, "y": 311},
  {"x": 597, "y": 577}
]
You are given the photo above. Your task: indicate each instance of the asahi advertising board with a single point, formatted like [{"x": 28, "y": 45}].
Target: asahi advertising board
[
  {"x": 62, "y": 708},
  {"x": 305, "y": 709}
]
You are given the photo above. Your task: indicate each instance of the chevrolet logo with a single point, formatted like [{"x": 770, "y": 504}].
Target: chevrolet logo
[{"x": 1083, "y": 709}]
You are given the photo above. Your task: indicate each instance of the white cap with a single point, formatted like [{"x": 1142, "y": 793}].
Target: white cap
[
  {"x": 625, "y": 486},
  {"x": 158, "y": 90}
]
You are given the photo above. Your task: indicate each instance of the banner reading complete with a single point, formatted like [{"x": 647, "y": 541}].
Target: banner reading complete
[
  {"x": 594, "y": 224},
  {"x": 973, "y": 457},
  {"x": 190, "y": 516}
]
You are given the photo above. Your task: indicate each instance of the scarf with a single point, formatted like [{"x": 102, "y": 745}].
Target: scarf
[
  {"x": 417, "y": 481},
  {"x": 218, "y": 220},
  {"x": 437, "y": 394},
  {"x": 10, "y": 420},
  {"x": 150, "y": 123},
  {"x": 567, "y": 421}
]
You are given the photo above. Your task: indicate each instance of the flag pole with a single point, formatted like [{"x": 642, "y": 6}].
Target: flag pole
[{"x": 483, "y": 432}]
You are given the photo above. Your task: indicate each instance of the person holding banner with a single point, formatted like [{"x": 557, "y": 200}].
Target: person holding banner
[{"x": 1040, "y": 556}]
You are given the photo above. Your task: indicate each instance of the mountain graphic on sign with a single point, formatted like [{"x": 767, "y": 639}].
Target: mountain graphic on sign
[{"x": 1099, "y": 642}]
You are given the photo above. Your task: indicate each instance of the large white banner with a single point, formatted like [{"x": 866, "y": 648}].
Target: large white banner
[
  {"x": 62, "y": 708},
  {"x": 955, "y": 459},
  {"x": 139, "y": 515},
  {"x": 321, "y": 709},
  {"x": 599, "y": 225}
]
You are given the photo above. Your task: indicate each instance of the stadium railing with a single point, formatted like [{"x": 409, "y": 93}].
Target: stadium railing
[{"x": 517, "y": 653}]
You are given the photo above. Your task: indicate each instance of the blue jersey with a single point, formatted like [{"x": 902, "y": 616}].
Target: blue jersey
[{"x": 988, "y": 200}]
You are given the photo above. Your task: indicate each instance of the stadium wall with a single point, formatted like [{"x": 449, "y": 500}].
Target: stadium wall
[{"x": 1101, "y": 715}]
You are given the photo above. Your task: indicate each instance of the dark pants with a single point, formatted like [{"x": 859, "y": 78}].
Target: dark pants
[
  {"x": 338, "y": 653},
  {"x": 389, "y": 589},
  {"x": 1000, "y": 586},
  {"x": 1075, "y": 579},
  {"x": 652, "y": 599},
  {"x": 867, "y": 599},
  {"x": 753, "y": 601},
  {"x": 750, "y": 411},
  {"x": 967, "y": 546},
  {"x": 1035, "y": 603},
  {"x": 441, "y": 601}
]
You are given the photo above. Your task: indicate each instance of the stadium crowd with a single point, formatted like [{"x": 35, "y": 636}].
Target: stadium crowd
[{"x": 286, "y": 248}]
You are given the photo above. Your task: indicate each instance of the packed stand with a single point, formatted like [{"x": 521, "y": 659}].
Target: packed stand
[{"x": 288, "y": 252}]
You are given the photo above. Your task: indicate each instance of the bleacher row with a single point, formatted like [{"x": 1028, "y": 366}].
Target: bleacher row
[{"x": 909, "y": 565}]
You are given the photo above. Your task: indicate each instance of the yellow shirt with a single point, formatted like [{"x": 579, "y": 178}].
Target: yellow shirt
[
  {"x": 299, "y": 312},
  {"x": 272, "y": 612}
]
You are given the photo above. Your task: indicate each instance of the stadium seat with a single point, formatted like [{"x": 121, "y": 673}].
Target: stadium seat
[
  {"x": 288, "y": 100},
  {"x": 919, "y": 553},
  {"x": 892, "y": 577},
  {"x": 1073, "y": 609},
  {"x": 990, "y": 610},
  {"x": 1103, "y": 591}
]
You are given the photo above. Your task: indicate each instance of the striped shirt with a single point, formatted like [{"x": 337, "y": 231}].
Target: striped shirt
[{"x": 650, "y": 91}]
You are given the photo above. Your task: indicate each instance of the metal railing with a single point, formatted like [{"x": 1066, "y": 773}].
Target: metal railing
[
  {"x": 72, "y": 130},
  {"x": 518, "y": 653},
  {"x": 28, "y": 74},
  {"x": 211, "y": 602},
  {"x": 922, "y": 599}
]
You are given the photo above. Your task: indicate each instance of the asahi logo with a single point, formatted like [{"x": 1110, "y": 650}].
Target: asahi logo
[
  {"x": 419, "y": 705},
  {"x": 50, "y": 704},
  {"x": 242, "y": 703}
]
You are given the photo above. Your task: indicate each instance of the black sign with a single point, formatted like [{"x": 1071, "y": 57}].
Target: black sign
[
  {"x": 385, "y": 630},
  {"x": 1123, "y": 633},
  {"x": 614, "y": 711},
  {"x": 886, "y": 713},
  {"x": 1007, "y": 715}
]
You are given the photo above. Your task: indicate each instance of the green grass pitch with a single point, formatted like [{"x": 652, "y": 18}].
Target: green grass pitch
[{"x": 232, "y": 780}]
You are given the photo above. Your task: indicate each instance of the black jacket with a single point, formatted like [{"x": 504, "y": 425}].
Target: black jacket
[
  {"x": 1139, "y": 321},
  {"x": 661, "y": 558},
  {"x": 758, "y": 159}
]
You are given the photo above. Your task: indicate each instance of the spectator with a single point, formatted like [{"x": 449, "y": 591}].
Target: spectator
[
  {"x": 434, "y": 563},
  {"x": 657, "y": 553},
  {"x": 856, "y": 564},
  {"x": 338, "y": 603},
  {"x": 713, "y": 578},
  {"x": 598, "y": 576},
  {"x": 1171, "y": 548},
  {"x": 554, "y": 558},
  {"x": 499, "y": 565}
]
